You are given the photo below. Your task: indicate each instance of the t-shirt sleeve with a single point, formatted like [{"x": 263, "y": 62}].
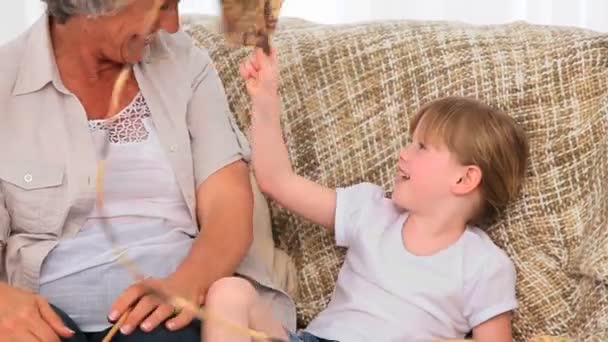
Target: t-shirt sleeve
[
  {"x": 351, "y": 205},
  {"x": 492, "y": 291}
]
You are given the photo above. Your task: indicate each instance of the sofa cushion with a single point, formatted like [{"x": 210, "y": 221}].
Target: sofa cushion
[{"x": 349, "y": 92}]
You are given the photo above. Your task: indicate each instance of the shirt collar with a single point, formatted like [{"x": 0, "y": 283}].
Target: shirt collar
[{"x": 37, "y": 67}]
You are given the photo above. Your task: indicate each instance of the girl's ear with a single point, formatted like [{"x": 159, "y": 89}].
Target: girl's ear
[{"x": 469, "y": 179}]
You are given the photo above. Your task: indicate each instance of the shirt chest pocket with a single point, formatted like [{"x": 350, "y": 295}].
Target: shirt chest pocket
[{"x": 33, "y": 194}]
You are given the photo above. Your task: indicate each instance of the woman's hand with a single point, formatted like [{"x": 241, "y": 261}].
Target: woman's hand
[
  {"x": 261, "y": 75},
  {"x": 27, "y": 317},
  {"x": 148, "y": 311}
]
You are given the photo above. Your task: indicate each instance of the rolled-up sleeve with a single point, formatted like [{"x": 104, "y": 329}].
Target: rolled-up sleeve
[
  {"x": 4, "y": 234},
  {"x": 216, "y": 139}
]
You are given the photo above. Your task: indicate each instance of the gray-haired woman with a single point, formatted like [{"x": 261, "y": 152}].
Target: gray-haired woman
[{"x": 177, "y": 190}]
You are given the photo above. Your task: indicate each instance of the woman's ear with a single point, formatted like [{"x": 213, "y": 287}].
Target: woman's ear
[{"x": 469, "y": 179}]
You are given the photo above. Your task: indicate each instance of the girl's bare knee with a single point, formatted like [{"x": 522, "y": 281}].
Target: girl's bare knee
[{"x": 231, "y": 290}]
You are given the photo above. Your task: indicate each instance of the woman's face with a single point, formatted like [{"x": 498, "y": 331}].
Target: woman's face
[{"x": 129, "y": 30}]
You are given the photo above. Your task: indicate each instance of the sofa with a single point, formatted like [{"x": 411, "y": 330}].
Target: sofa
[{"x": 348, "y": 94}]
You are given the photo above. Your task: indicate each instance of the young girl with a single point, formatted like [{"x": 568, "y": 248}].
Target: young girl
[{"x": 417, "y": 267}]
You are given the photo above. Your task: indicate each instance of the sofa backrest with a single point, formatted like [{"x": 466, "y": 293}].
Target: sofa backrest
[{"x": 349, "y": 92}]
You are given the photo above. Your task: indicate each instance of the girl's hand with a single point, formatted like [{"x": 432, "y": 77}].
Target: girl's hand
[{"x": 261, "y": 75}]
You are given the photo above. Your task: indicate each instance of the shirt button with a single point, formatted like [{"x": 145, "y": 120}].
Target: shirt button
[
  {"x": 173, "y": 148},
  {"x": 28, "y": 178}
]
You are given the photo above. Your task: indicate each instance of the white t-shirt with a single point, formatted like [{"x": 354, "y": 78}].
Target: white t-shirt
[{"x": 384, "y": 293}]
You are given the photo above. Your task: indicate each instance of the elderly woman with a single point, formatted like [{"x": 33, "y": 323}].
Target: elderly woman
[{"x": 177, "y": 190}]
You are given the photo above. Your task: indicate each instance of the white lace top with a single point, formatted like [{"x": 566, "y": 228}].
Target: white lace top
[{"x": 146, "y": 211}]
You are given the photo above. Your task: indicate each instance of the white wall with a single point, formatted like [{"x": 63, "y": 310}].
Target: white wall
[
  {"x": 16, "y": 15},
  {"x": 12, "y": 19},
  {"x": 592, "y": 14}
]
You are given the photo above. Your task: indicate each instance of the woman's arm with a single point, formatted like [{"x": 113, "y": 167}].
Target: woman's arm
[
  {"x": 225, "y": 214},
  {"x": 270, "y": 158},
  {"x": 224, "y": 206}
]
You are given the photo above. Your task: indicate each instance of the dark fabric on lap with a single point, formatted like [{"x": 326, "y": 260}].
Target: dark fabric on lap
[{"x": 191, "y": 333}]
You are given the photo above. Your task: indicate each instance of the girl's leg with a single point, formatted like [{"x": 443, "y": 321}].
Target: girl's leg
[{"x": 236, "y": 300}]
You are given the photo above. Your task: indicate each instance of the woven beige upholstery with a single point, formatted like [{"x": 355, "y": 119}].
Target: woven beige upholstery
[{"x": 349, "y": 92}]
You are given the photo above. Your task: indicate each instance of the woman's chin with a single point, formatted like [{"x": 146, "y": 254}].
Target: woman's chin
[{"x": 134, "y": 51}]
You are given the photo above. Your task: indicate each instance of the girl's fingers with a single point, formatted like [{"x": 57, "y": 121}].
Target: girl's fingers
[
  {"x": 274, "y": 56},
  {"x": 251, "y": 69},
  {"x": 247, "y": 71},
  {"x": 243, "y": 71},
  {"x": 255, "y": 62}
]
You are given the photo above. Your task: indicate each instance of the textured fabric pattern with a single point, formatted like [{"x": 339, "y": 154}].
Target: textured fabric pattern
[
  {"x": 128, "y": 125},
  {"x": 350, "y": 91}
]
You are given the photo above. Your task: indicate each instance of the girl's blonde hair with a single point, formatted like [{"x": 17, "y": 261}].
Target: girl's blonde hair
[{"x": 480, "y": 135}]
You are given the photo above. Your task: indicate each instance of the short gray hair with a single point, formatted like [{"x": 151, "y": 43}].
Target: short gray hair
[{"x": 62, "y": 10}]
